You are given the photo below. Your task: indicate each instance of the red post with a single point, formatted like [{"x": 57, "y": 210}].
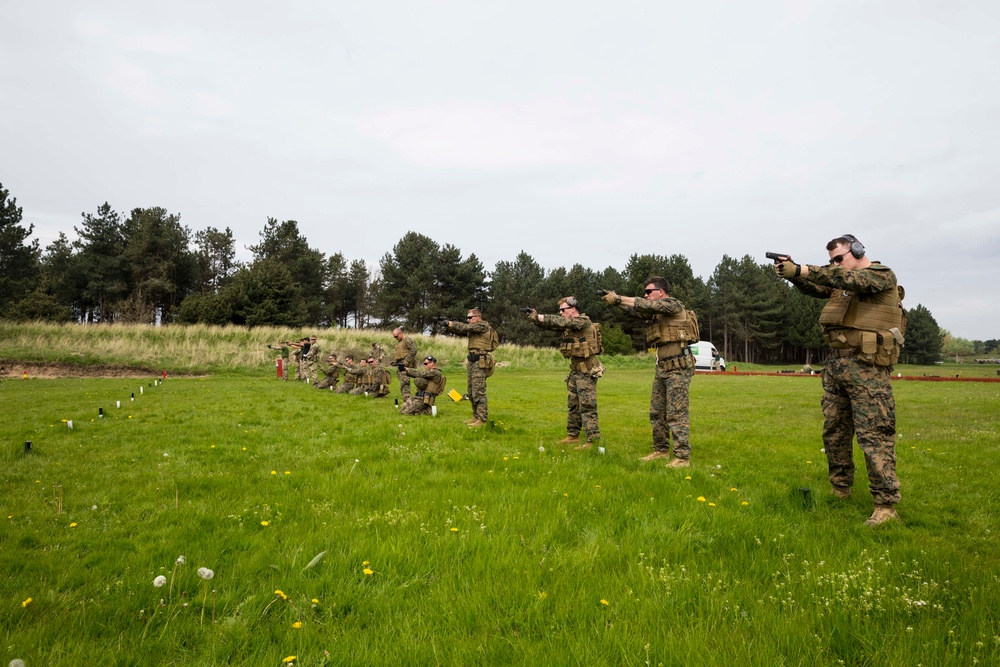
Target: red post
[
  {"x": 164, "y": 375},
  {"x": 279, "y": 368}
]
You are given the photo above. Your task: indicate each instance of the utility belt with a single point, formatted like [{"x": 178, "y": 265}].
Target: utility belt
[
  {"x": 677, "y": 362},
  {"x": 426, "y": 397},
  {"x": 483, "y": 359}
]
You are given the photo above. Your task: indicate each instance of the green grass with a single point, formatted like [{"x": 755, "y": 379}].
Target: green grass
[{"x": 483, "y": 548}]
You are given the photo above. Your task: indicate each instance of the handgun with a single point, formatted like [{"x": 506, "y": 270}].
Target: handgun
[{"x": 777, "y": 255}]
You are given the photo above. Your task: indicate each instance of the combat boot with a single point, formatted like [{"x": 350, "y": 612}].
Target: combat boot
[
  {"x": 569, "y": 440},
  {"x": 467, "y": 422},
  {"x": 476, "y": 423},
  {"x": 882, "y": 514},
  {"x": 679, "y": 463},
  {"x": 655, "y": 455},
  {"x": 842, "y": 492}
]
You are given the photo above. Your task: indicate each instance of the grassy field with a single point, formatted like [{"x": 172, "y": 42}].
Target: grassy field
[{"x": 343, "y": 534}]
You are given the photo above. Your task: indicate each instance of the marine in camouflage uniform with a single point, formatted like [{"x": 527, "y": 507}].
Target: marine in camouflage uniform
[
  {"x": 359, "y": 374},
  {"x": 862, "y": 322},
  {"x": 579, "y": 344},
  {"x": 350, "y": 379},
  {"x": 671, "y": 331},
  {"x": 482, "y": 341},
  {"x": 295, "y": 358},
  {"x": 311, "y": 359},
  {"x": 429, "y": 383},
  {"x": 405, "y": 354},
  {"x": 331, "y": 374}
]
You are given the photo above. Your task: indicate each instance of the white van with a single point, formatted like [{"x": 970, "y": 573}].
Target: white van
[{"x": 707, "y": 357}]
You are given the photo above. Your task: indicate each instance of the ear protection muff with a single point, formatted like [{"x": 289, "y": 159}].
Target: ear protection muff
[
  {"x": 571, "y": 301},
  {"x": 857, "y": 247}
]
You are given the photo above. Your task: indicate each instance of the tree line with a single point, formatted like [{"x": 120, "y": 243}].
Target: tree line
[{"x": 147, "y": 267}]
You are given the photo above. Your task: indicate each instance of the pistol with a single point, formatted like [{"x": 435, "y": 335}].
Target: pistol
[
  {"x": 777, "y": 255},
  {"x": 440, "y": 318},
  {"x": 602, "y": 292},
  {"x": 525, "y": 310}
]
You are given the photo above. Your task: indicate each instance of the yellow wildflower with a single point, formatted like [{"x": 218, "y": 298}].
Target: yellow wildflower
[
  {"x": 72, "y": 525},
  {"x": 711, "y": 504},
  {"x": 605, "y": 603},
  {"x": 289, "y": 659},
  {"x": 281, "y": 594},
  {"x": 542, "y": 595},
  {"x": 315, "y": 601},
  {"x": 26, "y": 602},
  {"x": 265, "y": 523},
  {"x": 297, "y": 624},
  {"x": 701, "y": 499},
  {"x": 454, "y": 530},
  {"x": 368, "y": 571},
  {"x": 744, "y": 503},
  {"x": 274, "y": 472},
  {"x": 288, "y": 472},
  {"x": 688, "y": 477}
]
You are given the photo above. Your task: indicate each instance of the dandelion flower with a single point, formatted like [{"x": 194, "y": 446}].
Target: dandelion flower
[
  {"x": 605, "y": 603},
  {"x": 517, "y": 457},
  {"x": 205, "y": 573},
  {"x": 454, "y": 530},
  {"x": 314, "y": 601},
  {"x": 281, "y": 594},
  {"x": 688, "y": 477},
  {"x": 181, "y": 560},
  {"x": 265, "y": 523},
  {"x": 368, "y": 571},
  {"x": 288, "y": 472},
  {"x": 160, "y": 581},
  {"x": 744, "y": 503},
  {"x": 733, "y": 489},
  {"x": 542, "y": 595},
  {"x": 366, "y": 563},
  {"x": 73, "y": 525},
  {"x": 809, "y": 462},
  {"x": 274, "y": 472},
  {"x": 711, "y": 504},
  {"x": 297, "y": 624},
  {"x": 26, "y": 602},
  {"x": 289, "y": 659},
  {"x": 701, "y": 499},
  {"x": 505, "y": 458}
]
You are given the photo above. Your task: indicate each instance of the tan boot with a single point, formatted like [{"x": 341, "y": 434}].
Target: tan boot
[
  {"x": 679, "y": 463},
  {"x": 882, "y": 514},
  {"x": 476, "y": 423},
  {"x": 655, "y": 455},
  {"x": 841, "y": 492},
  {"x": 569, "y": 440},
  {"x": 469, "y": 421}
]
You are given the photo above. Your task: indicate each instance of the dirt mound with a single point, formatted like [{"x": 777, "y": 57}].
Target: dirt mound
[{"x": 16, "y": 369}]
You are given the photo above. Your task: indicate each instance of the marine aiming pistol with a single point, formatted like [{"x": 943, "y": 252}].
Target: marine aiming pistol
[{"x": 777, "y": 255}]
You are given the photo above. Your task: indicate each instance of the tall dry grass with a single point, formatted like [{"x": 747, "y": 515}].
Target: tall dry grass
[{"x": 204, "y": 348}]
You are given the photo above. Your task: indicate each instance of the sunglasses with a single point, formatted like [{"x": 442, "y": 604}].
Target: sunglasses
[
  {"x": 837, "y": 259},
  {"x": 566, "y": 308},
  {"x": 427, "y": 363},
  {"x": 650, "y": 291}
]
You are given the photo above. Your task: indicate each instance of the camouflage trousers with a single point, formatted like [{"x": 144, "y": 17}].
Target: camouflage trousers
[
  {"x": 668, "y": 411},
  {"x": 858, "y": 400},
  {"x": 477, "y": 392},
  {"x": 415, "y": 406},
  {"x": 311, "y": 371},
  {"x": 404, "y": 385},
  {"x": 344, "y": 388},
  {"x": 327, "y": 383},
  {"x": 581, "y": 403}
]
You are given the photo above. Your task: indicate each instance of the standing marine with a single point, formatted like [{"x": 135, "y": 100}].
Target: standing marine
[
  {"x": 671, "y": 330},
  {"x": 483, "y": 340},
  {"x": 581, "y": 343},
  {"x": 863, "y": 322},
  {"x": 404, "y": 356}
]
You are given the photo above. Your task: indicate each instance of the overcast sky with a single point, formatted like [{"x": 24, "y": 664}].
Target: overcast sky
[{"x": 579, "y": 132}]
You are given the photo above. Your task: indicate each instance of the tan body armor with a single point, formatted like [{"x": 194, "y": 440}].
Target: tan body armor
[
  {"x": 870, "y": 324},
  {"x": 480, "y": 346},
  {"x": 582, "y": 348},
  {"x": 672, "y": 333}
]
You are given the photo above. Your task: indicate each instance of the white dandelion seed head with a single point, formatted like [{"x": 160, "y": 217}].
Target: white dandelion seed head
[
  {"x": 181, "y": 560},
  {"x": 94, "y": 507},
  {"x": 16, "y": 662},
  {"x": 160, "y": 581},
  {"x": 164, "y": 455},
  {"x": 205, "y": 573},
  {"x": 541, "y": 449}
]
